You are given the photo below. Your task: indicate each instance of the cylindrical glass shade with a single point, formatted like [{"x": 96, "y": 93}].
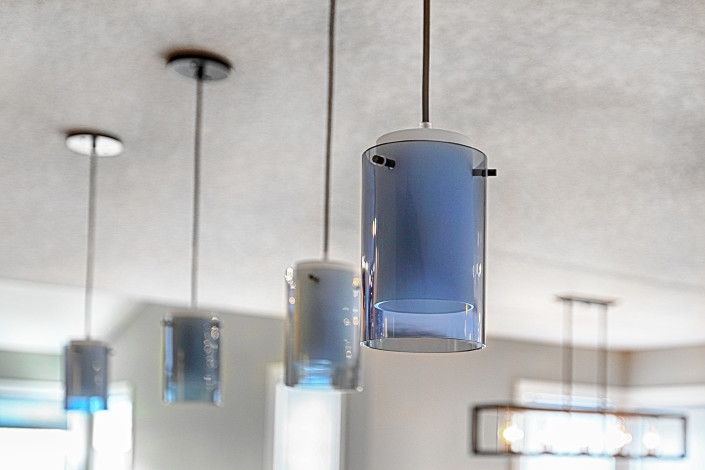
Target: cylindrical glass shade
[
  {"x": 86, "y": 376},
  {"x": 322, "y": 328},
  {"x": 423, "y": 242},
  {"x": 191, "y": 358}
]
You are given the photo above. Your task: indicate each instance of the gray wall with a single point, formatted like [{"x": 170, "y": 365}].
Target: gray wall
[
  {"x": 190, "y": 436},
  {"x": 412, "y": 414},
  {"x": 682, "y": 366},
  {"x": 30, "y": 366}
]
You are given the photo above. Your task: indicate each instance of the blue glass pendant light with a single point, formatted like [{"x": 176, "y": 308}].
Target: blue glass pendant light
[
  {"x": 323, "y": 316},
  {"x": 191, "y": 354},
  {"x": 423, "y": 237},
  {"x": 86, "y": 361}
]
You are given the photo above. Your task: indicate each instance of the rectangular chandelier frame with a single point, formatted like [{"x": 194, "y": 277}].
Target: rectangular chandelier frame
[{"x": 642, "y": 428}]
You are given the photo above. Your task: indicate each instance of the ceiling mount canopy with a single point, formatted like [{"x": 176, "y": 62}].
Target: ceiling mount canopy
[
  {"x": 191, "y": 355},
  {"x": 90, "y": 144},
  {"x": 200, "y": 66},
  {"x": 86, "y": 361}
]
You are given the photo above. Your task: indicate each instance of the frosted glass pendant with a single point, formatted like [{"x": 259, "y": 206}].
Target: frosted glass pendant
[
  {"x": 86, "y": 376},
  {"x": 191, "y": 359},
  {"x": 322, "y": 328},
  {"x": 423, "y": 243}
]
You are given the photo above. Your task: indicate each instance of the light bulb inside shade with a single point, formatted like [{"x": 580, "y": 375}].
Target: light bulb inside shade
[
  {"x": 651, "y": 440},
  {"x": 618, "y": 437},
  {"x": 512, "y": 433}
]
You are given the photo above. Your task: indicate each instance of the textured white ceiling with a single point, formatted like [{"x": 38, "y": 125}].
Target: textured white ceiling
[{"x": 593, "y": 113}]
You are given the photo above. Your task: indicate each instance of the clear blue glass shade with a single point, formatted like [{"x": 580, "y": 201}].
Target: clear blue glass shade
[
  {"x": 86, "y": 376},
  {"x": 191, "y": 359},
  {"x": 323, "y": 324},
  {"x": 423, "y": 242}
]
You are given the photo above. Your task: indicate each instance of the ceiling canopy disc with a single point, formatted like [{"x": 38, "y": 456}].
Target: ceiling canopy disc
[
  {"x": 85, "y": 143},
  {"x": 188, "y": 65}
]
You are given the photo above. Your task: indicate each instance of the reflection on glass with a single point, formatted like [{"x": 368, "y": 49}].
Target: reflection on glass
[
  {"x": 191, "y": 359},
  {"x": 322, "y": 328},
  {"x": 423, "y": 245},
  {"x": 86, "y": 376}
]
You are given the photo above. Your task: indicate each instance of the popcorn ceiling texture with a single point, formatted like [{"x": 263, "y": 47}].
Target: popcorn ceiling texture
[{"x": 592, "y": 112}]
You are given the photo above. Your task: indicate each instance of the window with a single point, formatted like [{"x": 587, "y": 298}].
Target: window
[{"x": 36, "y": 433}]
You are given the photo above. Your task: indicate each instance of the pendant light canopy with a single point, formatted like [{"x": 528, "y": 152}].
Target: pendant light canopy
[
  {"x": 191, "y": 355},
  {"x": 86, "y": 361},
  {"x": 323, "y": 315},
  {"x": 423, "y": 239}
]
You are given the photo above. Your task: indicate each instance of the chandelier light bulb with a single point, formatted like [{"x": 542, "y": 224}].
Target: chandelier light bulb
[
  {"x": 651, "y": 440},
  {"x": 512, "y": 433}
]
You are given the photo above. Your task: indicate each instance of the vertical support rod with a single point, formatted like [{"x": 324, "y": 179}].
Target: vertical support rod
[
  {"x": 568, "y": 353},
  {"x": 602, "y": 356},
  {"x": 90, "y": 239},
  {"x": 426, "y": 62},
  {"x": 196, "y": 187},
  {"x": 329, "y": 129}
]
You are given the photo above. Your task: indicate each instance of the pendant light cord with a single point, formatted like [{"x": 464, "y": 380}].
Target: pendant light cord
[
  {"x": 90, "y": 239},
  {"x": 195, "y": 235},
  {"x": 425, "y": 119},
  {"x": 329, "y": 129}
]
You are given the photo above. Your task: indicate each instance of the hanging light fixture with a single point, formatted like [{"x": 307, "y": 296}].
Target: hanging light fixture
[
  {"x": 573, "y": 431},
  {"x": 423, "y": 236},
  {"x": 191, "y": 356},
  {"x": 323, "y": 315},
  {"x": 86, "y": 361}
]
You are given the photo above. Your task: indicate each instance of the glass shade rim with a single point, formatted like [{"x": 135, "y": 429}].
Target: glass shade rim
[
  {"x": 425, "y": 135},
  {"x": 474, "y": 149},
  {"x": 466, "y": 344},
  {"x": 205, "y": 315},
  {"x": 88, "y": 343},
  {"x": 336, "y": 265}
]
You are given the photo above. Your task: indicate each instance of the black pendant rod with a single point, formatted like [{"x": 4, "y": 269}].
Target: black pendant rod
[
  {"x": 196, "y": 187},
  {"x": 329, "y": 128},
  {"x": 425, "y": 119},
  {"x": 90, "y": 239}
]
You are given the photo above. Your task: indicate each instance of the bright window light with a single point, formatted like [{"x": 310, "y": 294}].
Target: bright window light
[
  {"x": 36, "y": 433},
  {"x": 32, "y": 449},
  {"x": 307, "y": 429}
]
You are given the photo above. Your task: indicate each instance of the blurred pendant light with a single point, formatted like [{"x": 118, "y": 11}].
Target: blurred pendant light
[
  {"x": 323, "y": 317},
  {"x": 86, "y": 361},
  {"x": 191, "y": 356},
  {"x": 423, "y": 236},
  {"x": 573, "y": 431}
]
